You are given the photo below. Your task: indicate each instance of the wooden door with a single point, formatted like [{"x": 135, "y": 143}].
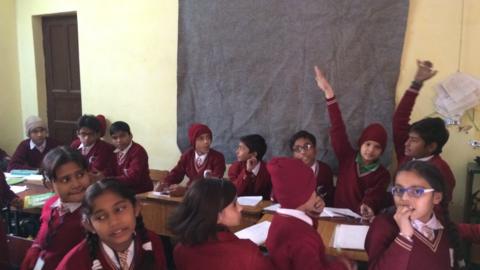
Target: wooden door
[{"x": 64, "y": 106}]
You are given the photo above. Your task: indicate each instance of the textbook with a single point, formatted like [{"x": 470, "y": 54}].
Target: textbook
[
  {"x": 256, "y": 233},
  {"x": 37, "y": 200},
  {"x": 14, "y": 180},
  {"x": 22, "y": 173},
  {"x": 350, "y": 236}
]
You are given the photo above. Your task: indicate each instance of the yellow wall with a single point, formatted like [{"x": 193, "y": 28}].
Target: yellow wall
[
  {"x": 434, "y": 32},
  {"x": 10, "y": 113},
  {"x": 128, "y": 65}
]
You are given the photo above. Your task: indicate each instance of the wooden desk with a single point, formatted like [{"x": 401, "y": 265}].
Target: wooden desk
[
  {"x": 326, "y": 229},
  {"x": 32, "y": 189},
  {"x": 156, "y": 211}
]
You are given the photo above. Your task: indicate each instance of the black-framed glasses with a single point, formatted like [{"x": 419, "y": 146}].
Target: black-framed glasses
[
  {"x": 415, "y": 192},
  {"x": 302, "y": 148}
]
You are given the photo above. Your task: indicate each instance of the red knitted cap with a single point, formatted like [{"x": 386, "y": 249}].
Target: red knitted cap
[
  {"x": 103, "y": 124},
  {"x": 196, "y": 130},
  {"x": 293, "y": 181},
  {"x": 374, "y": 132}
]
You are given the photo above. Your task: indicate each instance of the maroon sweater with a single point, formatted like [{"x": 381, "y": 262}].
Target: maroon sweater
[
  {"x": 249, "y": 184},
  {"x": 353, "y": 188},
  {"x": 100, "y": 158},
  {"x": 390, "y": 251},
  {"x": 215, "y": 162},
  {"x": 469, "y": 232},
  {"x": 25, "y": 158},
  {"x": 325, "y": 186},
  {"x": 295, "y": 245},
  {"x": 401, "y": 128},
  {"x": 64, "y": 236},
  {"x": 79, "y": 257},
  {"x": 134, "y": 171},
  {"x": 6, "y": 194},
  {"x": 227, "y": 252}
]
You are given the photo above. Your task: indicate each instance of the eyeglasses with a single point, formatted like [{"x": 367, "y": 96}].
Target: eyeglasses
[
  {"x": 300, "y": 148},
  {"x": 415, "y": 192}
]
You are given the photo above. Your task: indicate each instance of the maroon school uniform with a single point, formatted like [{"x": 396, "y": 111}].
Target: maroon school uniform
[
  {"x": 353, "y": 188},
  {"x": 249, "y": 184},
  {"x": 295, "y": 245},
  {"x": 132, "y": 170},
  {"x": 401, "y": 128},
  {"x": 6, "y": 194},
  {"x": 324, "y": 176},
  {"x": 63, "y": 232},
  {"x": 100, "y": 158},
  {"x": 469, "y": 232},
  {"x": 215, "y": 162},
  {"x": 25, "y": 158},
  {"x": 388, "y": 250},
  {"x": 227, "y": 252},
  {"x": 79, "y": 257}
]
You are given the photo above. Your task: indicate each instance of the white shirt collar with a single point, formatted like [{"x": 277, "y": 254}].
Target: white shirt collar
[
  {"x": 296, "y": 214},
  {"x": 87, "y": 148},
  {"x": 124, "y": 151},
  {"x": 71, "y": 207},
  {"x": 424, "y": 158},
  {"x": 256, "y": 169},
  {"x": 40, "y": 147},
  {"x": 111, "y": 254},
  {"x": 433, "y": 224},
  {"x": 314, "y": 168},
  {"x": 202, "y": 157}
]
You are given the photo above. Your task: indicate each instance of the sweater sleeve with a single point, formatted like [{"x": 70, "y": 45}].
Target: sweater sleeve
[
  {"x": 325, "y": 183},
  {"x": 134, "y": 174},
  {"x": 19, "y": 159},
  {"x": 401, "y": 119},
  {"x": 176, "y": 175},
  {"x": 218, "y": 166},
  {"x": 338, "y": 133},
  {"x": 374, "y": 196},
  {"x": 240, "y": 177},
  {"x": 386, "y": 249}
]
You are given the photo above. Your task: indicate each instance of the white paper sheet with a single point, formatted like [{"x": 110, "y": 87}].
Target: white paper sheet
[
  {"x": 256, "y": 233},
  {"x": 272, "y": 208},
  {"x": 350, "y": 236},
  {"x": 249, "y": 200},
  {"x": 18, "y": 189},
  {"x": 338, "y": 212}
]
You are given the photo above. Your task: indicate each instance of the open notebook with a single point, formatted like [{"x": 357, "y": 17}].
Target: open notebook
[{"x": 350, "y": 236}]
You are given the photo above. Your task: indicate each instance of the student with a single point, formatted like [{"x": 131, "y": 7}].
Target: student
[
  {"x": 414, "y": 237},
  {"x": 304, "y": 147},
  {"x": 116, "y": 235},
  {"x": 131, "y": 166},
  {"x": 7, "y": 197},
  {"x": 4, "y": 160},
  {"x": 293, "y": 241},
  {"x": 425, "y": 138},
  {"x": 30, "y": 152},
  {"x": 197, "y": 162},
  {"x": 249, "y": 173},
  {"x": 201, "y": 224},
  {"x": 98, "y": 153},
  {"x": 66, "y": 171},
  {"x": 362, "y": 181}
]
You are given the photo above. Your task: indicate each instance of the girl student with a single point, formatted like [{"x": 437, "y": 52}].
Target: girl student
[
  {"x": 201, "y": 224},
  {"x": 362, "y": 180},
  {"x": 414, "y": 237},
  {"x": 116, "y": 237},
  {"x": 65, "y": 170}
]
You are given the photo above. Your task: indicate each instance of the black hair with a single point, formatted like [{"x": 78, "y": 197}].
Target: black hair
[
  {"x": 57, "y": 157},
  {"x": 116, "y": 187},
  {"x": 255, "y": 143},
  {"x": 119, "y": 126},
  {"x": 434, "y": 178},
  {"x": 89, "y": 121},
  {"x": 432, "y": 130},
  {"x": 302, "y": 134},
  {"x": 195, "y": 219}
]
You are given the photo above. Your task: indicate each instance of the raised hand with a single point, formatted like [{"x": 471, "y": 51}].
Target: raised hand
[
  {"x": 323, "y": 84},
  {"x": 424, "y": 71}
]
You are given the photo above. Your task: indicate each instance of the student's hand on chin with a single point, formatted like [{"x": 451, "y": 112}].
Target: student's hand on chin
[
  {"x": 251, "y": 163},
  {"x": 402, "y": 218}
]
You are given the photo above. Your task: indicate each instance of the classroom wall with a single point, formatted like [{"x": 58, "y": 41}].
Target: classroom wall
[
  {"x": 10, "y": 111},
  {"x": 128, "y": 66}
]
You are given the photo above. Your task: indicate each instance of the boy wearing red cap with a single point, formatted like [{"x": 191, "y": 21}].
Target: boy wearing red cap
[
  {"x": 30, "y": 152},
  {"x": 293, "y": 241},
  {"x": 200, "y": 161},
  {"x": 362, "y": 181}
]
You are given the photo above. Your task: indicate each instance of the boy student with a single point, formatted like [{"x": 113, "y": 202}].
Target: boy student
[
  {"x": 30, "y": 152},
  {"x": 304, "y": 147},
  {"x": 98, "y": 153},
  {"x": 249, "y": 173},
  {"x": 293, "y": 241},
  {"x": 131, "y": 166},
  {"x": 198, "y": 162},
  {"x": 424, "y": 139}
]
